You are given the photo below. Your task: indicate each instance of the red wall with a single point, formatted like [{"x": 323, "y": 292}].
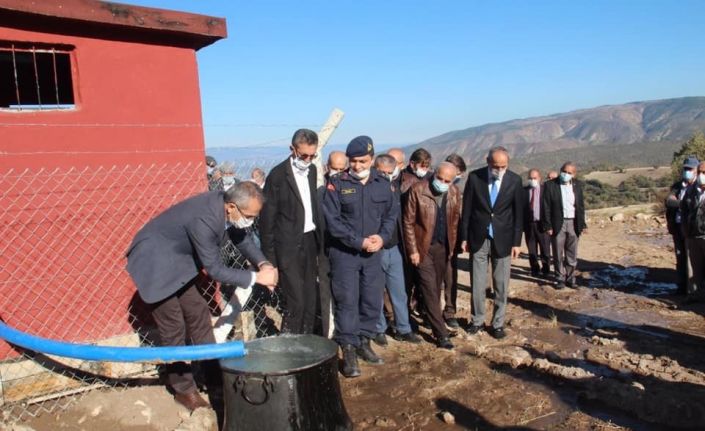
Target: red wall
[{"x": 74, "y": 193}]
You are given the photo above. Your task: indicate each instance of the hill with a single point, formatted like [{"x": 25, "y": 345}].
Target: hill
[{"x": 632, "y": 134}]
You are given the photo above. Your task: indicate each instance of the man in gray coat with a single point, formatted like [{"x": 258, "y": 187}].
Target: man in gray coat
[{"x": 170, "y": 253}]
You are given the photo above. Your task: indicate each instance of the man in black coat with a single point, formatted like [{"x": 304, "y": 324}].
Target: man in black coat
[
  {"x": 493, "y": 204},
  {"x": 290, "y": 230},
  {"x": 537, "y": 241},
  {"x": 171, "y": 251},
  {"x": 563, "y": 218},
  {"x": 674, "y": 221}
]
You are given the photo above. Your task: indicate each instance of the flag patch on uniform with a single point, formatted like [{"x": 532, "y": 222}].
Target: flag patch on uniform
[
  {"x": 330, "y": 187},
  {"x": 348, "y": 191}
]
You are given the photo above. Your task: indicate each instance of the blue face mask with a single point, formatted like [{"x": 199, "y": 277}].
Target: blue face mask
[
  {"x": 566, "y": 177},
  {"x": 440, "y": 186},
  {"x": 688, "y": 175}
]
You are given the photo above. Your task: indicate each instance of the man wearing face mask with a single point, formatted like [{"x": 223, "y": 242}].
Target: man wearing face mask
[
  {"x": 537, "y": 241},
  {"x": 493, "y": 205},
  {"x": 693, "y": 215},
  {"x": 430, "y": 223},
  {"x": 393, "y": 267},
  {"x": 361, "y": 215},
  {"x": 450, "y": 289},
  {"x": 173, "y": 251},
  {"x": 290, "y": 230},
  {"x": 563, "y": 219},
  {"x": 674, "y": 221}
]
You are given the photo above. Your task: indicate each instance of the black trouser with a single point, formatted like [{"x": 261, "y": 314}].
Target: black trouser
[
  {"x": 185, "y": 314},
  {"x": 535, "y": 240},
  {"x": 431, "y": 272},
  {"x": 681, "y": 260},
  {"x": 297, "y": 280},
  {"x": 326, "y": 297},
  {"x": 450, "y": 289}
]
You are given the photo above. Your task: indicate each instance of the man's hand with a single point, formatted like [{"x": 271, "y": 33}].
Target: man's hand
[
  {"x": 415, "y": 259},
  {"x": 550, "y": 232},
  {"x": 515, "y": 252},
  {"x": 376, "y": 243},
  {"x": 266, "y": 264},
  {"x": 464, "y": 246},
  {"x": 267, "y": 276},
  {"x": 366, "y": 244}
]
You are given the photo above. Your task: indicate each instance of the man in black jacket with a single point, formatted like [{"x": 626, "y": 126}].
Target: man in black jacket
[
  {"x": 537, "y": 241},
  {"x": 171, "y": 251},
  {"x": 693, "y": 212},
  {"x": 563, "y": 218},
  {"x": 674, "y": 221},
  {"x": 290, "y": 231},
  {"x": 493, "y": 203}
]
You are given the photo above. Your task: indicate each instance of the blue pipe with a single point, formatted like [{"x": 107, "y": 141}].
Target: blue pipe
[{"x": 122, "y": 354}]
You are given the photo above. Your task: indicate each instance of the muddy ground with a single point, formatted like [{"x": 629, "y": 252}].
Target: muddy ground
[{"x": 620, "y": 352}]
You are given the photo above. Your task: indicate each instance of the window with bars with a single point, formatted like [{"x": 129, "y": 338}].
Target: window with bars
[{"x": 35, "y": 77}]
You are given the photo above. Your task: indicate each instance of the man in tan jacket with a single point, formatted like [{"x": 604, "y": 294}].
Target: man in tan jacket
[{"x": 431, "y": 216}]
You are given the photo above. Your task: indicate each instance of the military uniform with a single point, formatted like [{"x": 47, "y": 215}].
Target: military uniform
[{"x": 353, "y": 211}]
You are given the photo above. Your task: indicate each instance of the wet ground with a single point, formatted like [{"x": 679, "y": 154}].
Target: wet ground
[{"x": 620, "y": 352}]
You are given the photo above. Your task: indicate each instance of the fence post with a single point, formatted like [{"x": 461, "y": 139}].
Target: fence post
[{"x": 334, "y": 119}]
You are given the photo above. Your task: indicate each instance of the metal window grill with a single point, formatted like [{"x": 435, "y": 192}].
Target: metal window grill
[
  {"x": 35, "y": 77},
  {"x": 62, "y": 276}
]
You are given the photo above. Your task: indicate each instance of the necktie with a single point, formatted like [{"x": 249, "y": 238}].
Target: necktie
[{"x": 493, "y": 198}]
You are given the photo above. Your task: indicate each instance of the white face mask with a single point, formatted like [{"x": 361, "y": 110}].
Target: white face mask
[
  {"x": 228, "y": 181},
  {"x": 300, "y": 164},
  {"x": 332, "y": 172},
  {"x": 243, "y": 223},
  {"x": 210, "y": 170},
  {"x": 360, "y": 175},
  {"x": 396, "y": 172},
  {"x": 421, "y": 172},
  {"x": 533, "y": 183},
  {"x": 498, "y": 173}
]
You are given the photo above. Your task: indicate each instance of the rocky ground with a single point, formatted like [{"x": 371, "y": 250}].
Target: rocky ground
[{"x": 620, "y": 352}]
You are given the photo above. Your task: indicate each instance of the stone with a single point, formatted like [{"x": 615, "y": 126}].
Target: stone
[
  {"x": 617, "y": 217},
  {"x": 385, "y": 422},
  {"x": 448, "y": 418}
]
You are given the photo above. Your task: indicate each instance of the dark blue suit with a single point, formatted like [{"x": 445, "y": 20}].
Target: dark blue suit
[{"x": 353, "y": 211}]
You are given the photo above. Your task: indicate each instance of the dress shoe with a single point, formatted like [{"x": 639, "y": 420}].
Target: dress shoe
[
  {"x": 444, "y": 343},
  {"x": 409, "y": 337},
  {"x": 546, "y": 272},
  {"x": 498, "y": 333},
  {"x": 191, "y": 400},
  {"x": 473, "y": 329},
  {"x": 560, "y": 285},
  {"x": 350, "y": 366},
  {"x": 366, "y": 353},
  {"x": 452, "y": 323},
  {"x": 380, "y": 339},
  {"x": 535, "y": 273}
]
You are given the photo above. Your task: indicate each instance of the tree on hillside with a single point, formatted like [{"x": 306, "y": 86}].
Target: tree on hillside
[{"x": 693, "y": 146}]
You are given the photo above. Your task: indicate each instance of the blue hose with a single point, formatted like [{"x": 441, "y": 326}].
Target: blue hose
[{"x": 121, "y": 354}]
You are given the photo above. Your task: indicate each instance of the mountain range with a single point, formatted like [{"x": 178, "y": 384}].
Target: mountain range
[{"x": 631, "y": 134}]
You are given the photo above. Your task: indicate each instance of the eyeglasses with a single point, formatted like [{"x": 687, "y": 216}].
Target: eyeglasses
[{"x": 305, "y": 156}]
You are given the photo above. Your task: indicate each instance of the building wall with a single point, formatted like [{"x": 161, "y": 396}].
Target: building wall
[{"x": 78, "y": 184}]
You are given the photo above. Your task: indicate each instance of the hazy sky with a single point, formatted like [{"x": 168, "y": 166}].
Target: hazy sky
[{"x": 404, "y": 71}]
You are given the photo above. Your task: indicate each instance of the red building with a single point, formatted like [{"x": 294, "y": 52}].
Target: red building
[{"x": 100, "y": 129}]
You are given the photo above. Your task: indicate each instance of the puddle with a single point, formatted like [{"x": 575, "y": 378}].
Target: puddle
[{"x": 631, "y": 279}]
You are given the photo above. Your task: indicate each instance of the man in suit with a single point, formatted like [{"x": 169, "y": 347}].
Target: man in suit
[
  {"x": 537, "y": 241},
  {"x": 430, "y": 231},
  {"x": 674, "y": 221},
  {"x": 168, "y": 255},
  {"x": 493, "y": 203},
  {"x": 693, "y": 213},
  {"x": 290, "y": 230},
  {"x": 563, "y": 219},
  {"x": 450, "y": 290}
]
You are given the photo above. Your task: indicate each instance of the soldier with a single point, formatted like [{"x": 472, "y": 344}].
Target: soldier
[{"x": 361, "y": 214}]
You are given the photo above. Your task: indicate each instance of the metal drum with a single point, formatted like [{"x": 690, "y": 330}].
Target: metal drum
[{"x": 288, "y": 382}]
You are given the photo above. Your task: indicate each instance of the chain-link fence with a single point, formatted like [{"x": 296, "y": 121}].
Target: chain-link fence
[{"x": 62, "y": 276}]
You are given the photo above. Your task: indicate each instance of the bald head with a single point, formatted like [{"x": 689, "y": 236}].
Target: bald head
[
  {"x": 446, "y": 172},
  {"x": 337, "y": 161},
  {"x": 398, "y": 155}
]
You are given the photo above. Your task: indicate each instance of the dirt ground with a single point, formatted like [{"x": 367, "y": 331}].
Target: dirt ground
[{"x": 620, "y": 352}]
